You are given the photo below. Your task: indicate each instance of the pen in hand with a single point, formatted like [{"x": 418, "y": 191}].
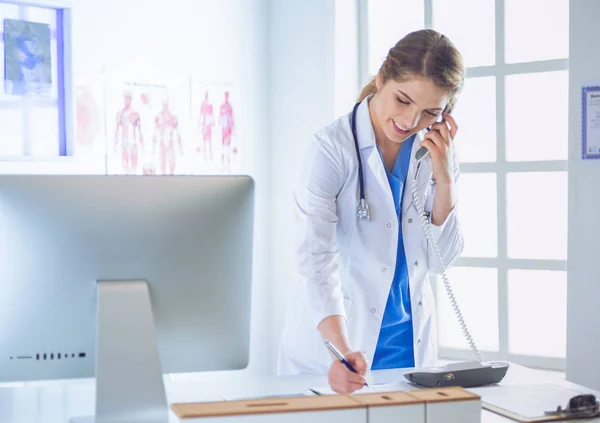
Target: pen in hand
[{"x": 341, "y": 357}]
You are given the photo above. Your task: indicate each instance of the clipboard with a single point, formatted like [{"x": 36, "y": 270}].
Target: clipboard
[
  {"x": 528, "y": 403},
  {"x": 522, "y": 419}
]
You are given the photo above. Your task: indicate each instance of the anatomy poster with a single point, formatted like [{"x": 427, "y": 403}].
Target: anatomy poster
[
  {"x": 214, "y": 110},
  {"x": 90, "y": 127},
  {"x": 146, "y": 128}
]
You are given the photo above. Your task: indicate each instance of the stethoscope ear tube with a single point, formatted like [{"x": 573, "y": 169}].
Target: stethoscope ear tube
[{"x": 363, "y": 206}]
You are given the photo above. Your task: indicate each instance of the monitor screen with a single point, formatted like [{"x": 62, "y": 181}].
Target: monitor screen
[{"x": 189, "y": 238}]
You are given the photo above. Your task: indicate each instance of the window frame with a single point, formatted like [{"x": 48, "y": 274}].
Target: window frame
[{"x": 65, "y": 91}]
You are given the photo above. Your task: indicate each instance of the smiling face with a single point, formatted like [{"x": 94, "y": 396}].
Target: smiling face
[{"x": 401, "y": 109}]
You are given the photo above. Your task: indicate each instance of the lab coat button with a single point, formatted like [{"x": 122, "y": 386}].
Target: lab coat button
[
  {"x": 416, "y": 263},
  {"x": 420, "y": 303},
  {"x": 418, "y": 341},
  {"x": 409, "y": 220},
  {"x": 389, "y": 225},
  {"x": 384, "y": 269},
  {"x": 373, "y": 310}
]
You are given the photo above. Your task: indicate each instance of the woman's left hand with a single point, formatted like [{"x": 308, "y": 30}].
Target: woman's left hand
[{"x": 438, "y": 141}]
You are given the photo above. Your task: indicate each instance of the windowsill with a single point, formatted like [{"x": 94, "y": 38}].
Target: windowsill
[{"x": 36, "y": 158}]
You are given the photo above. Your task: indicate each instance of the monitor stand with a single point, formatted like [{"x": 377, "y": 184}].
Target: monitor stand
[{"x": 129, "y": 381}]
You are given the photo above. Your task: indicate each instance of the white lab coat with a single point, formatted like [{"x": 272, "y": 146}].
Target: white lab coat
[{"x": 346, "y": 264}]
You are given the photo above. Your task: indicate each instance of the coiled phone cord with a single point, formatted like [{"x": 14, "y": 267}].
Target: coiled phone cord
[{"x": 442, "y": 268}]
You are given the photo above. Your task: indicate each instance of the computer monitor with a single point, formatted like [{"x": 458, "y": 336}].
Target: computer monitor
[{"x": 124, "y": 278}]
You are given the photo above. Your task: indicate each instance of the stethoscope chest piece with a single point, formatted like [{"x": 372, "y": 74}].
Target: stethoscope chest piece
[{"x": 363, "y": 210}]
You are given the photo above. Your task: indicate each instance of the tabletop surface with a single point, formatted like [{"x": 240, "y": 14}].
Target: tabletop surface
[{"x": 58, "y": 401}]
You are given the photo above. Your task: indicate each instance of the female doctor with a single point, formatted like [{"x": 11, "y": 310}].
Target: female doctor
[{"x": 363, "y": 254}]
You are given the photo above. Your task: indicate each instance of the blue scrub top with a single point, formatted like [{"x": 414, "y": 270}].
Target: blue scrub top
[{"x": 395, "y": 347}]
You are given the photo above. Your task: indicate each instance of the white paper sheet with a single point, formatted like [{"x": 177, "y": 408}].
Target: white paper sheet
[{"x": 371, "y": 389}]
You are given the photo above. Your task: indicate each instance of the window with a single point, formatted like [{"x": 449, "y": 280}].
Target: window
[
  {"x": 512, "y": 145},
  {"x": 34, "y": 96}
]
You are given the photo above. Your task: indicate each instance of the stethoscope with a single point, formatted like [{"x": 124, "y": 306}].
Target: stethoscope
[{"x": 363, "y": 206}]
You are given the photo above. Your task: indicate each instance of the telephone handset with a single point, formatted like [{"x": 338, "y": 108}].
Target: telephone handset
[
  {"x": 464, "y": 374},
  {"x": 423, "y": 153}
]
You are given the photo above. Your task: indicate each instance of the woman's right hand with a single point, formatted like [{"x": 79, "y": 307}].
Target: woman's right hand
[{"x": 344, "y": 381}]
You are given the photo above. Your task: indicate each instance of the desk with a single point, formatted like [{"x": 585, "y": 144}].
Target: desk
[{"x": 57, "y": 402}]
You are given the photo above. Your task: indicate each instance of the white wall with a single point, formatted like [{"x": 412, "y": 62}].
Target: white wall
[
  {"x": 280, "y": 54},
  {"x": 224, "y": 40},
  {"x": 583, "y": 311},
  {"x": 302, "y": 101}
]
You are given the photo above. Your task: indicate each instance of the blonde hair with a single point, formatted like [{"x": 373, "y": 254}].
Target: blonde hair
[{"x": 425, "y": 53}]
